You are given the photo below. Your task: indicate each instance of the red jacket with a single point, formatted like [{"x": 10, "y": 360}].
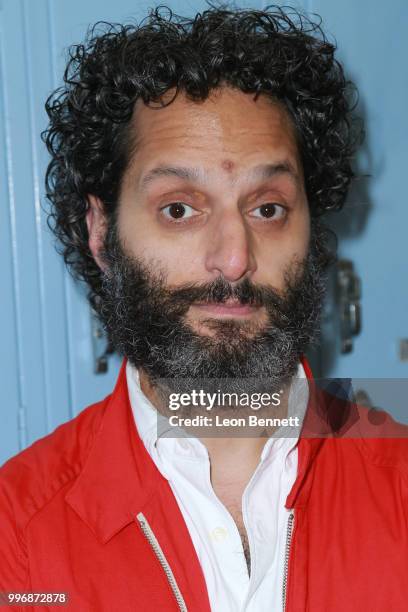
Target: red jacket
[{"x": 73, "y": 508}]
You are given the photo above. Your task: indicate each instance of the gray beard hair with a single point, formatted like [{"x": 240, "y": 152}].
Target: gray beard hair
[{"x": 176, "y": 359}]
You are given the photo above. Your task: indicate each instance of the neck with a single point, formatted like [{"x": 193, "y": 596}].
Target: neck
[{"x": 232, "y": 459}]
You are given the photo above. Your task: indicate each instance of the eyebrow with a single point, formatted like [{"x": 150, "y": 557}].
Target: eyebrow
[
  {"x": 188, "y": 174},
  {"x": 195, "y": 175}
]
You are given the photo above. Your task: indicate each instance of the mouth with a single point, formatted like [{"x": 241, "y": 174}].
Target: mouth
[{"x": 230, "y": 308}]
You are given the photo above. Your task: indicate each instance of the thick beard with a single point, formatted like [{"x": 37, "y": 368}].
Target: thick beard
[{"x": 145, "y": 322}]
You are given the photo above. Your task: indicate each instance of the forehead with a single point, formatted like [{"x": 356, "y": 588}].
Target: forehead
[{"x": 228, "y": 130}]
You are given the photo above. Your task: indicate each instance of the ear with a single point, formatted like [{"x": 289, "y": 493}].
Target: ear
[{"x": 96, "y": 223}]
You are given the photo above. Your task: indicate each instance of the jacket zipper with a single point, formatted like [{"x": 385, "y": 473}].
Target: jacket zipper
[
  {"x": 151, "y": 538},
  {"x": 289, "y": 532}
]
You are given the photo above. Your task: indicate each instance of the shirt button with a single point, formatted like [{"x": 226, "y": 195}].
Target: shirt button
[
  {"x": 184, "y": 444},
  {"x": 219, "y": 534}
]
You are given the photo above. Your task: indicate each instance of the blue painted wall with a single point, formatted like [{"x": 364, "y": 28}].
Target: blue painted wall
[
  {"x": 46, "y": 360},
  {"x": 371, "y": 36}
]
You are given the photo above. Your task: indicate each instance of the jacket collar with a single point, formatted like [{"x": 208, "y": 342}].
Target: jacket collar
[
  {"x": 119, "y": 477},
  {"x": 329, "y": 414}
]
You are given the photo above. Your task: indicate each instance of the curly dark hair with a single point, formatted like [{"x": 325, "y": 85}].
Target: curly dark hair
[{"x": 280, "y": 53}]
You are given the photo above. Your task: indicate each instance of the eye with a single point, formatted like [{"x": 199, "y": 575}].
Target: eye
[
  {"x": 270, "y": 210},
  {"x": 178, "y": 210}
]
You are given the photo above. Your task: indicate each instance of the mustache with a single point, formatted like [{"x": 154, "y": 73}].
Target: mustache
[{"x": 220, "y": 290}]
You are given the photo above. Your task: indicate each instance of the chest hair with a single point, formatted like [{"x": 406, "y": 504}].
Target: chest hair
[{"x": 234, "y": 508}]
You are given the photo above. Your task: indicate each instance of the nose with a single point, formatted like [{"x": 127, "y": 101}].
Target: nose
[{"x": 230, "y": 251}]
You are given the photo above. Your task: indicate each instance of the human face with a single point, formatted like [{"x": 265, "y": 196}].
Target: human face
[{"x": 215, "y": 188}]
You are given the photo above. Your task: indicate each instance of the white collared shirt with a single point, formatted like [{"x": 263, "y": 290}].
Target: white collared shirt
[{"x": 184, "y": 462}]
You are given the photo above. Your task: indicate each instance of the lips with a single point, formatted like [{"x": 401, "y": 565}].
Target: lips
[{"x": 230, "y": 307}]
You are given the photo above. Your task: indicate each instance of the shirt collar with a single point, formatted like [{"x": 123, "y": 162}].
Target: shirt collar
[
  {"x": 146, "y": 420},
  {"x": 149, "y": 422}
]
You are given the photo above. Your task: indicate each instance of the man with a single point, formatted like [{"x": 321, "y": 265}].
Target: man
[{"x": 190, "y": 162}]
